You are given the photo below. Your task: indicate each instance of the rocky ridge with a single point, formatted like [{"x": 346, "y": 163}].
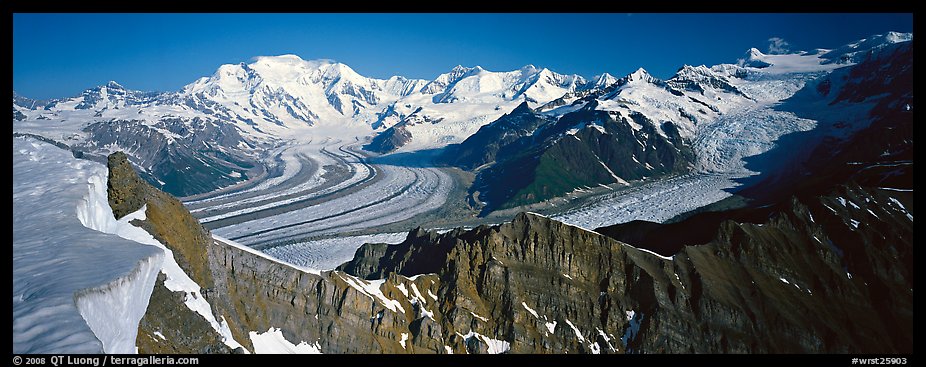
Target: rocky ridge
[{"x": 796, "y": 282}]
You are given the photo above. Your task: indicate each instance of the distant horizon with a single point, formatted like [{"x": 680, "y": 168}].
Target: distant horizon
[{"x": 164, "y": 52}]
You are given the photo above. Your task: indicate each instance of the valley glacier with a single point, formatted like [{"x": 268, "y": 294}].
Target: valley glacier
[{"x": 281, "y": 210}]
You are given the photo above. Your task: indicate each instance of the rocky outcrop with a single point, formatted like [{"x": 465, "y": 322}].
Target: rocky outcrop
[
  {"x": 389, "y": 140},
  {"x": 481, "y": 148},
  {"x": 335, "y": 311},
  {"x": 807, "y": 280},
  {"x": 167, "y": 219},
  {"x": 169, "y": 326},
  {"x": 585, "y": 148}
]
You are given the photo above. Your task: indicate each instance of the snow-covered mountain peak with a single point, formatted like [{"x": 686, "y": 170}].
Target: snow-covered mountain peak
[
  {"x": 110, "y": 87},
  {"x": 442, "y": 81},
  {"x": 855, "y": 52},
  {"x": 641, "y": 75},
  {"x": 530, "y": 69},
  {"x": 339, "y": 71},
  {"x": 276, "y": 71},
  {"x": 897, "y": 37},
  {"x": 288, "y": 63},
  {"x": 753, "y": 54},
  {"x": 281, "y": 58},
  {"x": 111, "y": 95},
  {"x": 285, "y": 68},
  {"x": 113, "y": 85},
  {"x": 695, "y": 72},
  {"x": 754, "y": 58},
  {"x": 602, "y": 80}
]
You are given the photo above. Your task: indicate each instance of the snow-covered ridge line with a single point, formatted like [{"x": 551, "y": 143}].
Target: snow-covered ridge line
[
  {"x": 623, "y": 244},
  {"x": 96, "y": 214},
  {"x": 75, "y": 289},
  {"x": 177, "y": 280}
]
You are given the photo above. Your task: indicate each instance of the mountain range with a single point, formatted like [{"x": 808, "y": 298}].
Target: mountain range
[
  {"x": 221, "y": 130},
  {"x": 227, "y": 123}
]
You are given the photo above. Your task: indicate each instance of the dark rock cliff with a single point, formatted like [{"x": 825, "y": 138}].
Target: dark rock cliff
[
  {"x": 389, "y": 140},
  {"x": 328, "y": 310},
  {"x": 167, "y": 219},
  {"x": 168, "y": 325},
  {"x": 806, "y": 280}
]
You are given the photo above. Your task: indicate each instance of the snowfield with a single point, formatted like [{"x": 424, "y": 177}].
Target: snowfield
[
  {"x": 273, "y": 342},
  {"x": 105, "y": 267},
  {"x": 76, "y": 289}
]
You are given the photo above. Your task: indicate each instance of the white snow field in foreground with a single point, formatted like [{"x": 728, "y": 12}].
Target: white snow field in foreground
[
  {"x": 75, "y": 289},
  {"x": 69, "y": 249}
]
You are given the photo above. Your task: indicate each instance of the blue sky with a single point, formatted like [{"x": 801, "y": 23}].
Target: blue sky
[{"x": 59, "y": 55}]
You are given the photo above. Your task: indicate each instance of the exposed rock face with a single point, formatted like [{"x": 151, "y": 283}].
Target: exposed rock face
[
  {"x": 127, "y": 192},
  {"x": 389, "y": 140},
  {"x": 168, "y": 326},
  {"x": 206, "y": 160},
  {"x": 321, "y": 309},
  {"x": 482, "y": 147},
  {"x": 167, "y": 219},
  {"x": 587, "y": 147},
  {"x": 797, "y": 283}
]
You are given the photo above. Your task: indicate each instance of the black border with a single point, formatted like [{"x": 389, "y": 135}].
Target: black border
[{"x": 612, "y": 6}]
